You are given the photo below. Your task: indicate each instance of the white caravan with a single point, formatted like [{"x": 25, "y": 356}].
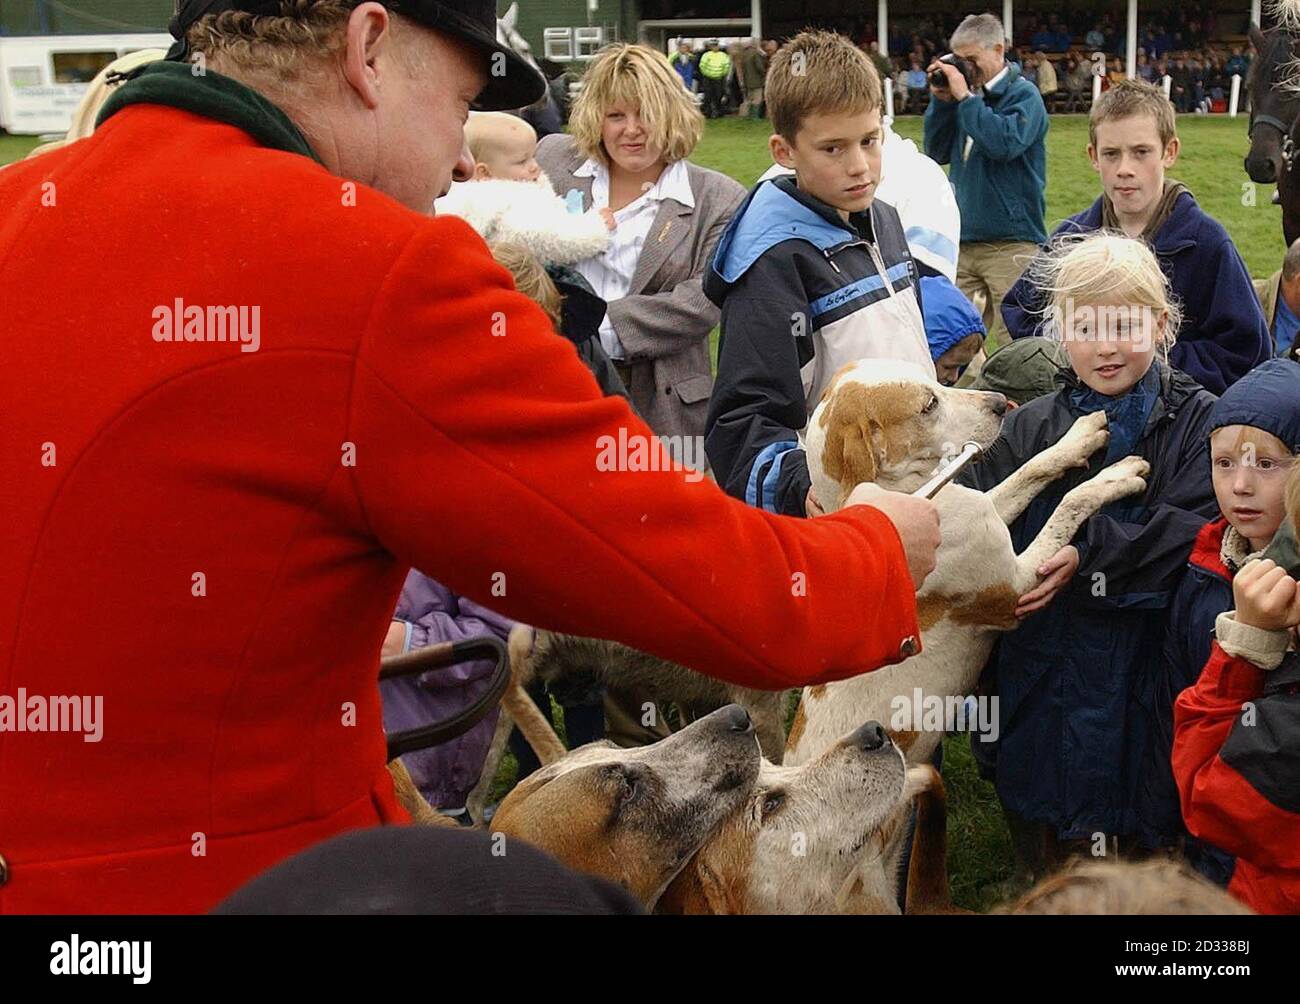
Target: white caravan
[{"x": 42, "y": 77}]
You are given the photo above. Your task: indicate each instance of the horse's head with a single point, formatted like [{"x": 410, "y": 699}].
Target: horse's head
[
  {"x": 1274, "y": 102},
  {"x": 508, "y": 36}
]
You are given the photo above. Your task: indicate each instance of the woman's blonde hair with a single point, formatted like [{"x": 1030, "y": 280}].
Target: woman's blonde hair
[
  {"x": 1103, "y": 265},
  {"x": 530, "y": 277},
  {"x": 638, "y": 76}
]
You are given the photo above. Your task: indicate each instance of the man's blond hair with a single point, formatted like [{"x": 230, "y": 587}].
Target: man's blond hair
[
  {"x": 1130, "y": 98},
  {"x": 639, "y": 77},
  {"x": 819, "y": 73}
]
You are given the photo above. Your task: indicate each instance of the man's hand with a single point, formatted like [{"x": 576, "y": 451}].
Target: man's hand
[
  {"x": 956, "y": 89},
  {"x": 1055, "y": 573},
  {"x": 811, "y": 507},
  {"x": 607, "y": 215},
  {"x": 916, "y": 520},
  {"x": 1266, "y": 597}
]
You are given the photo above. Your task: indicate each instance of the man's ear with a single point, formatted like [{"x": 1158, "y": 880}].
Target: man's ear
[
  {"x": 368, "y": 35},
  {"x": 1092, "y": 158},
  {"x": 781, "y": 151}
]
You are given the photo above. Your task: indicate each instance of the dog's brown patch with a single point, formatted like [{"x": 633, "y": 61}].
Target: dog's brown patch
[
  {"x": 991, "y": 607},
  {"x": 830, "y": 387},
  {"x": 930, "y": 610},
  {"x": 865, "y": 426},
  {"x": 796, "y": 727},
  {"x": 816, "y": 692}
]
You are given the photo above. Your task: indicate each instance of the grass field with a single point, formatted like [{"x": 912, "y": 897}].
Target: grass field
[{"x": 979, "y": 851}]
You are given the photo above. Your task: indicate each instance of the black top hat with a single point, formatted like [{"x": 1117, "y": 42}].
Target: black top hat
[{"x": 513, "y": 82}]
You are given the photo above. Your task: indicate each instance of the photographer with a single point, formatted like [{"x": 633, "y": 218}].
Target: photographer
[{"x": 989, "y": 124}]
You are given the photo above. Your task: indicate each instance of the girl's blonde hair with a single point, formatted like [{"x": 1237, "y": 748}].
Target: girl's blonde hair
[
  {"x": 1104, "y": 265},
  {"x": 1291, "y": 498},
  {"x": 530, "y": 277},
  {"x": 638, "y": 76}
]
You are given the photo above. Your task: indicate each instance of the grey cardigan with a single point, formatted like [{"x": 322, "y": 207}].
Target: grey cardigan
[{"x": 665, "y": 320}]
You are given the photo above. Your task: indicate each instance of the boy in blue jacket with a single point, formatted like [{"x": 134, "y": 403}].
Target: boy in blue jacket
[
  {"x": 812, "y": 273},
  {"x": 1132, "y": 142}
]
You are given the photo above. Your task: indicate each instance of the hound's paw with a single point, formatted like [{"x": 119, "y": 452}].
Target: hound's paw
[
  {"x": 1121, "y": 479},
  {"x": 1087, "y": 435}
]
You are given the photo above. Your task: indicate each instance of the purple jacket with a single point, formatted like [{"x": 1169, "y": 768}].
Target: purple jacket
[{"x": 444, "y": 774}]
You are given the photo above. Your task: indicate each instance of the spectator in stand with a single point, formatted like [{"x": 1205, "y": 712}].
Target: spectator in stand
[
  {"x": 1095, "y": 40},
  {"x": 1060, "y": 38},
  {"x": 1180, "y": 90},
  {"x": 884, "y": 66},
  {"x": 1238, "y": 64},
  {"x": 1047, "y": 83},
  {"x": 1145, "y": 68},
  {"x": 1116, "y": 73},
  {"x": 918, "y": 88},
  {"x": 1044, "y": 38},
  {"x": 684, "y": 63}
]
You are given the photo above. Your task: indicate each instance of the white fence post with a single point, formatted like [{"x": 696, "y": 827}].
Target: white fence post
[
  {"x": 1166, "y": 82},
  {"x": 1096, "y": 87},
  {"x": 889, "y": 97},
  {"x": 1235, "y": 97}
]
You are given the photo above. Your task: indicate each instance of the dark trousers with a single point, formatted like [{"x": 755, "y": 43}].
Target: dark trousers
[{"x": 712, "y": 96}]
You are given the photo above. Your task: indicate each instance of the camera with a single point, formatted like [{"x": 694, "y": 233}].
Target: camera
[{"x": 964, "y": 66}]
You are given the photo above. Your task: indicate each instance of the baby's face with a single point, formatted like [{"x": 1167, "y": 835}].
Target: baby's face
[{"x": 512, "y": 157}]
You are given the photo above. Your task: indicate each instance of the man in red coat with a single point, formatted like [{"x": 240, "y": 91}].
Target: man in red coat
[{"x": 249, "y": 381}]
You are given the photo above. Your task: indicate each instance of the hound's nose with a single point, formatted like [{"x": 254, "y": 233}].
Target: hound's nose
[
  {"x": 998, "y": 402},
  {"x": 736, "y": 718},
  {"x": 870, "y": 736}
]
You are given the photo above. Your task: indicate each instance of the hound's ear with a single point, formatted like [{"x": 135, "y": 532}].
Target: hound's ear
[
  {"x": 1256, "y": 38},
  {"x": 699, "y": 890},
  {"x": 852, "y": 450}
]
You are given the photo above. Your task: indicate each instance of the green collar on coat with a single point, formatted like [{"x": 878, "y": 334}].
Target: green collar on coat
[{"x": 214, "y": 96}]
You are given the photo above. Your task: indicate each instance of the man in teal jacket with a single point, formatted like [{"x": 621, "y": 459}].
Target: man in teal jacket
[{"x": 992, "y": 136}]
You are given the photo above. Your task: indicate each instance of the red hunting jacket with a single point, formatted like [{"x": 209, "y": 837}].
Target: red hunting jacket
[{"x": 212, "y": 540}]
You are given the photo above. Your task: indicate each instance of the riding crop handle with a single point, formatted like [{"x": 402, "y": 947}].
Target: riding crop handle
[{"x": 969, "y": 451}]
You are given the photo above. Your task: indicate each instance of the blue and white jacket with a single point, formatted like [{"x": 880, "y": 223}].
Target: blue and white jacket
[{"x": 802, "y": 293}]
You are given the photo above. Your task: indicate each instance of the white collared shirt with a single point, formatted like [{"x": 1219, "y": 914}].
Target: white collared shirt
[
  {"x": 997, "y": 79},
  {"x": 610, "y": 272}
]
